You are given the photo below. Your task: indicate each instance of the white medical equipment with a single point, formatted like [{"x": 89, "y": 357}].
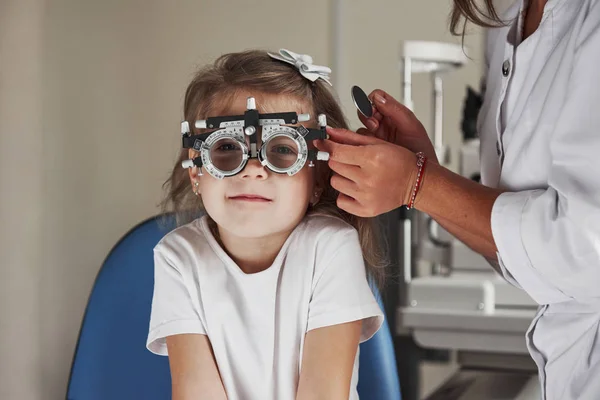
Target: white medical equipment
[{"x": 462, "y": 304}]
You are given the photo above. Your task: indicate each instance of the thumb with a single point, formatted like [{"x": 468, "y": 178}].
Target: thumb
[
  {"x": 391, "y": 108},
  {"x": 371, "y": 123}
]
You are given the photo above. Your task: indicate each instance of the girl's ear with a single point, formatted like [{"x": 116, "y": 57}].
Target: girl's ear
[{"x": 194, "y": 173}]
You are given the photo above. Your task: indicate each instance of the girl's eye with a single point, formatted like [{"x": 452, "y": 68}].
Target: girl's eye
[
  {"x": 227, "y": 147},
  {"x": 285, "y": 150}
]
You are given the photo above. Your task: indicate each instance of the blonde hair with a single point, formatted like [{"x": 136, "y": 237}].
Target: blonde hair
[{"x": 254, "y": 70}]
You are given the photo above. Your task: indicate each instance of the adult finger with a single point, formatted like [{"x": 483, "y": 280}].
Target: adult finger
[
  {"x": 377, "y": 115},
  {"x": 344, "y": 185},
  {"x": 391, "y": 108},
  {"x": 343, "y": 153},
  {"x": 346, "y": 136},
  {"x": 371, "y": 123},
  {"x": 377, "y": 134},
  {"x": 352, "y": 172},
  {"x": 350, "y": 205},
  {"x": 342, "y": 136}
]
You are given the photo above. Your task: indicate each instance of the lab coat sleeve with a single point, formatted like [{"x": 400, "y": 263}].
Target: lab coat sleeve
[{"x": 549, "y": 240}]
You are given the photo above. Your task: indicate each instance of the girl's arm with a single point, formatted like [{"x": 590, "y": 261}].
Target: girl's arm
[
  {"x": 328, "y": 361},
  {"x": 194, "y": 372}
]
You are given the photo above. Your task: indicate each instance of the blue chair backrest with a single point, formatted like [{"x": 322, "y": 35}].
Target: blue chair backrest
[
  {"x": 378, "y": 371},
  {"x": 111, "y": 360}
]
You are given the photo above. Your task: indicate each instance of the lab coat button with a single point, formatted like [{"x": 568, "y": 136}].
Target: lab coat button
[{"x": 505, "y": 67}]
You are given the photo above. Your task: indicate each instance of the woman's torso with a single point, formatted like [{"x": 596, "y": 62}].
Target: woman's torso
[{"x": 526, "y": 89}]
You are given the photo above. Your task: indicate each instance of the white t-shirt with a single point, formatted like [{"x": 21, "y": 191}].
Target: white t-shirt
[{"x": 256, "y": 323}]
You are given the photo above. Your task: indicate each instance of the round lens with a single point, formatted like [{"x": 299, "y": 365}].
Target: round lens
[
  {"x": 226, "y": 154},
  {"x": 281, "y": 152}
]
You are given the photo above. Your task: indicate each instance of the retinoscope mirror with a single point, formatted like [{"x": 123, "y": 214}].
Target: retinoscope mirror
[
  {"x": 362, "y": 102},
  {"x": 224, "y": 151}
]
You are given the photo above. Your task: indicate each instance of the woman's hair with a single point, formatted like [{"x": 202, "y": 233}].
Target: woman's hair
[
  {"x": 484, "y": 15},
  {"x": 255, "y": 70}
]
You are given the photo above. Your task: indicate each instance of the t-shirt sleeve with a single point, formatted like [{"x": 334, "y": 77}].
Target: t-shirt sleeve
[
  {"x": 341, "y": 292},
  {"x": 176, "y": 307}
]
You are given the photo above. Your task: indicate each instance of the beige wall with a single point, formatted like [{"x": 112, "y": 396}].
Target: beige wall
[
  {"x": 21, "y": 198},
  {"x": 90, "y": 97}
]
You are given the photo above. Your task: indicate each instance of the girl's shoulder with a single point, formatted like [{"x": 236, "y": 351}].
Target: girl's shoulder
[
  {"x": 326, "y": 222},
  {"x": 184, "y": 239},
  {"x": 328, "y": 228}
]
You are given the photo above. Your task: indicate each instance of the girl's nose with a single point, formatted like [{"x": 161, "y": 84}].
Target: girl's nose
[{"x": 254, "y": 170}]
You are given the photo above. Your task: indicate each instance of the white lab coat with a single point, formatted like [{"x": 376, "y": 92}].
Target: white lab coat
[{"x": 540, "y": 138}]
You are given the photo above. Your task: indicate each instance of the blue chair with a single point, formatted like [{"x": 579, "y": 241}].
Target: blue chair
[
  {"x": 111, "y": 360},
  {"x": 378, "y": 371}
]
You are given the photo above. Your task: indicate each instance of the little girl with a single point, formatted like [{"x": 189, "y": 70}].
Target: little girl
[{"x": 267, "y": 295}]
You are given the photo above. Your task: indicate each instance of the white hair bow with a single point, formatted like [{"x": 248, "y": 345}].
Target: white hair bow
[{"x": 303, "y": 62}]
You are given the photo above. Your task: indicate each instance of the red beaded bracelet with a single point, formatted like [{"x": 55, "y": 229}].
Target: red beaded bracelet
[{"x": 421, "y": 161}]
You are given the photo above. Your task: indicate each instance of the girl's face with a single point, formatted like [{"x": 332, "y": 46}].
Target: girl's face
[{"x": 258, "y": 202}]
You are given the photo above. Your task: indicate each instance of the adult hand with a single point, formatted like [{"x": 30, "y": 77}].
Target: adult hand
[
  {"x": 372, "y": 175},
  {"x": 395, "y": 123}
]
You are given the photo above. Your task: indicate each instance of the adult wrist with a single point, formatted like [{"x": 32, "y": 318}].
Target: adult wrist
[
  {"x": 430, "y": 175},
  {"x": 417, "y": 178}
]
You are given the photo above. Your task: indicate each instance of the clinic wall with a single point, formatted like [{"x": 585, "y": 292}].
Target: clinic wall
[
  {"x": 90, "y": 104},
  {"x": 21, "y": 198}
]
